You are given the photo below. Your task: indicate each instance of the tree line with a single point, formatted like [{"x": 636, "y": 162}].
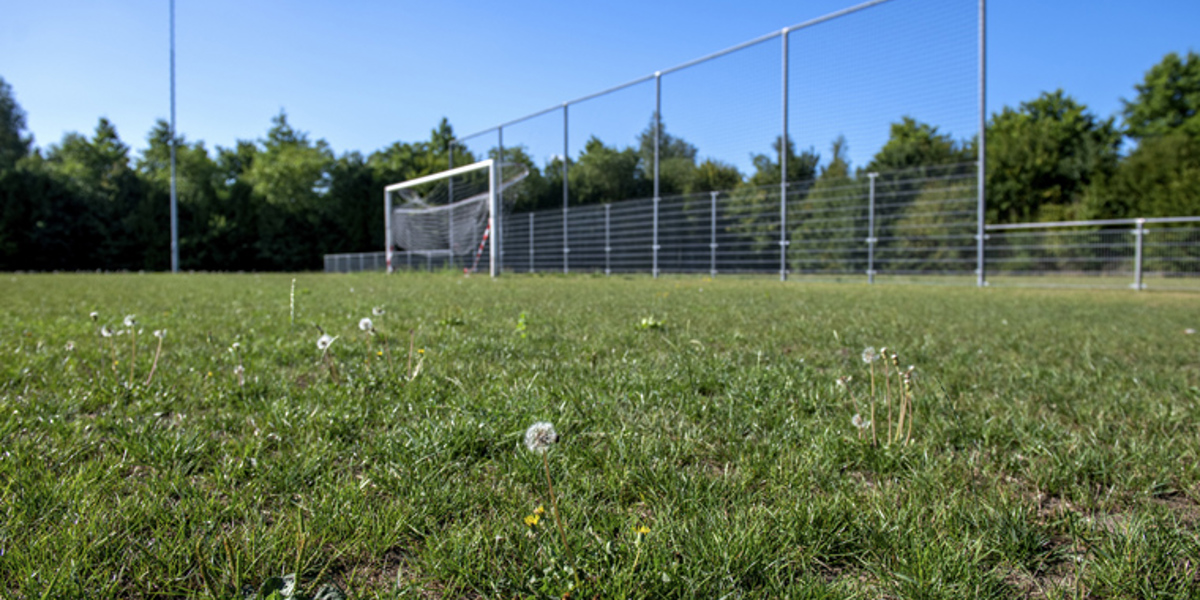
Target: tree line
[{"x": 282, "y": 201}]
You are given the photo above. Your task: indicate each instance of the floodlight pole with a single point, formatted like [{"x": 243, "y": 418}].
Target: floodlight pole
[
  {"x": 981, "y": 190},
  {"x": 387, "y": 229},
  {"x": 174, "y": 208},
  {"x": 498, "y": 186}
]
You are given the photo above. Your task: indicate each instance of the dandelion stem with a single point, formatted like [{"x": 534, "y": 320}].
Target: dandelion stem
[
  {"x": 874, "y": 439},
  {"x": 154, "y": 366},
  {"x": 412, "y": 343},
  {"x": 562, "y": 533},
  {"x": 133, "y": 355}
]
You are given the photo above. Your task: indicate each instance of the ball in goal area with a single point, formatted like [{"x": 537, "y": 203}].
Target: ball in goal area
[{"x": 449, "y": 216}]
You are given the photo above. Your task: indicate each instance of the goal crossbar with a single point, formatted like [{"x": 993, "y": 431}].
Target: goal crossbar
[{"x": 492, "y": 196}]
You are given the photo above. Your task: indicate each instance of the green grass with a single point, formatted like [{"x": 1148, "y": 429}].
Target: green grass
[{"x": 1054, "y": 450}]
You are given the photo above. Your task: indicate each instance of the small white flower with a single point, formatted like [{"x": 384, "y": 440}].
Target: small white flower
[
  {"x": 160, "y": 333},
  {"x": 94, "y": 315},
  {"x": 324, "y": 342},
  {"x": 105, "y": 331},
  {"x": 239, "y": 370},
  {"x": 235, "y": 347},
  {"x": 844, "y": 381},
  {"x": 869, "y": 356},
  {"x": 70, "y": 346},
  {"x": 1189, "y": 331},
  {"x": 540, "y": 436},
  {"x": 130, "y": 321},
  {"x": 366, "y": 325},
  {"x": 859, "y": 422},
  {"x": 377, "y": 311}
]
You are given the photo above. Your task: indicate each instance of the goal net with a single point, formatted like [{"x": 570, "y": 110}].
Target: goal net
[{"x": 448, "y": 215}]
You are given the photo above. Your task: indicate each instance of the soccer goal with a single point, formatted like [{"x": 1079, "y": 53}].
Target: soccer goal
[{"x": 450, "y": 216}]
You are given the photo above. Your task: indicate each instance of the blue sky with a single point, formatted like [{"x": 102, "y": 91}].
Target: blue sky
[{"x": 364, "y": 74}]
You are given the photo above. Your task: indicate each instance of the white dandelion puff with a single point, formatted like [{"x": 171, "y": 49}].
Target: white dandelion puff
[
  {"x": 239, "y": 370},
  {"x": 70, "y": 346},
  {"x": 130, "y": 321},
  {"x": 94, "y": 315},
  {"x": 869, "y": 356},
  {"x": 858, "y": 421},
  {"x": 324, "y": 342},
  {"x": 1189, "y": 331},
  {"x": 540, "y": 436},
  {"x": 105, "y": 331},
  {"x": 160, "y": 333},
  {"x": 377, "y": 311},
  {"x": 844, "y": 381},
  {"x": 235, "y": 347},
  {"x": 366, "y": 325}
]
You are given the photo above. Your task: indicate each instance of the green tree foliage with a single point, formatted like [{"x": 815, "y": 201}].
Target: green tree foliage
[
  {"x": 1043, "y": 156},
  {"x": 828, "y": 216},
  {"x": 604, "y": 174},
  {"x": 14, "y": 144},
  {"x": 676, "y": 160},
  {"x": 1168, "y": 99}
]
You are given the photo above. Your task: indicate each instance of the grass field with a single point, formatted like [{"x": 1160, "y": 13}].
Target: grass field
[{"x": 706, "y": 449}]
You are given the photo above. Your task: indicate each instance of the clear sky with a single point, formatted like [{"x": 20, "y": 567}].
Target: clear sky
[{"x": 363, "y": 74}]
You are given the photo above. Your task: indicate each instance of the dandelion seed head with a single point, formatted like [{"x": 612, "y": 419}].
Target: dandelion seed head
[
  {"x": 234, "y": 347},
  {"x": 869, "y": 356},
  {"x": 239, "y": 370},
  {"x": 540, "y": 436},
  {"x": 94, "y": 315},
  {"x": 130, "y": 321},
  {"x": 377, "y": 311},
  {"x": 105, "y": 331},
  {"x": 70, "y": 346},
  {"x": 325, "y": 341},
  {"x": 858, "y": 421},
  {"x": 844, "y": 381},
  {"x": 366, "y": 325},
  {"x": 1189, "y": 331},
  {"x": 160, "y": 333}
]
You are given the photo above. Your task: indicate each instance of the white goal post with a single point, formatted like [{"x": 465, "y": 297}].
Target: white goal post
[{"x": 431, "y": 218}]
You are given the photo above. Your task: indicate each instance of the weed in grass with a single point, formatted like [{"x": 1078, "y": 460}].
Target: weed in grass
[
  {"x": 161, "y": 334},
  {"x": 323, "y": 344},
  {"x": 538, "y": 439}
]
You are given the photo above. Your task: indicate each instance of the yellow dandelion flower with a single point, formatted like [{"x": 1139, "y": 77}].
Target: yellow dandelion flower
[
  {"x": 532, "y": 520},
  {"x": 379, "y": 353},
  {"x": 540, "y": 510},
  {"x": 421, "y": 351},
  {"x": 641, "y": 530}
]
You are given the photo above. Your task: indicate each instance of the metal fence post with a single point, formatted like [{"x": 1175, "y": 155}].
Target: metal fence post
[
  {"x": 871, "y": 229},
  {"x": 531, "y": 237},
  {"x": 1139, "y": 236},
  {"x": 783, "y": 173},
  {"x": 566, "y": 237},
  {"x": 607, "y": 244},
  {"x": 657, "y": 133},
  {"x": 712, "y": 245},
  {"x": 980, "y": 237}
]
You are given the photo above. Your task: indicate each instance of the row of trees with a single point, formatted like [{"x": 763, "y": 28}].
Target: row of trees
[{"x": 282, "y": 201}]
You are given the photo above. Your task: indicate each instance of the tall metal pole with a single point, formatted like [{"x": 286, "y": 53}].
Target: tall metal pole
[
  {"x": 497, "y": 211},
  {"x": 450, "y": 165},
  {"x": 783, "y": 172},
  {"x": 531, "y": 246},
  {"x": 981, "y": 277},
  {"x": 871, "y": 240},
  {"x": 657, "y": 134},
  {"x": 566, "y": 238},
  {"x": 174, "y": 197}
]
